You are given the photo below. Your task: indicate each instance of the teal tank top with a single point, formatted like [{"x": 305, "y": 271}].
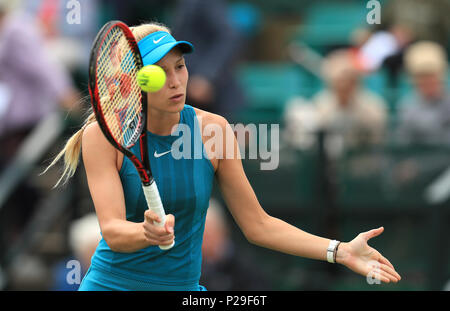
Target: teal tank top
[{"x": 185, "y": 187}]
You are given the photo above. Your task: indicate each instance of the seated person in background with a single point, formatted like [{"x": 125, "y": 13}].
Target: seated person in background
[
  {"x": 404, "y": 22},
  {"x": 424, "y": 116},
  {"x": 345, "y": 108}
]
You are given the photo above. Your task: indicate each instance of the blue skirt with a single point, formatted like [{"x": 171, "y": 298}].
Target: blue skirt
[{"x": 98, "y": 280}]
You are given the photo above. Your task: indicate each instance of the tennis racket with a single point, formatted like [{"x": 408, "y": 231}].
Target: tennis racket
[{"x": 119, "y": 104}]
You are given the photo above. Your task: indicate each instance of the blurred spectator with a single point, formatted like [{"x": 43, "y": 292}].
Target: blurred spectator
[
  {"x": 404, "y": 22},
  {"x": 212, "y": 86},
  {"x": 69, "y": 28},
  {"x": 382, "y": 48},
  {"x": 301, "y": 124},
  {"x": 345, "y": 107},
  {"x": 32, "y": 85},
  {"x": 222, "y": 267},
  {"x": 425, "y": 19},
  {"x": 31, "y": 82},
  {"x": 425, "y": 114},
  {"x": 352, "y": 115},
  {"x": 84, "y": 236}
]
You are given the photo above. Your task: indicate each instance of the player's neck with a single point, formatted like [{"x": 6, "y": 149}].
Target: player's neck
[{"x": 162, "y": 123}]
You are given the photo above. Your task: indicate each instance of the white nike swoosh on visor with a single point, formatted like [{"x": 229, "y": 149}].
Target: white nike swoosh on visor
[
  {"x": 157, "y": 41},
  {"x": 157, "y": 155}
]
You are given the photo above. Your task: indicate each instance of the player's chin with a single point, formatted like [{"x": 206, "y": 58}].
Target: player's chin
[{"x": 176, "y": 105}]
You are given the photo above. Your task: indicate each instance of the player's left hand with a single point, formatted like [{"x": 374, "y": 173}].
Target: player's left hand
[{"x": 359, "y": 257}]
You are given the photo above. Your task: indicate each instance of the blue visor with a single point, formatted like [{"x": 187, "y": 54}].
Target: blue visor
[{"x": 156, "y": 45}]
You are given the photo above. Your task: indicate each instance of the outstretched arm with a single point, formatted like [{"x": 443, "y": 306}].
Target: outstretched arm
[{"x": 270, "y": 232}]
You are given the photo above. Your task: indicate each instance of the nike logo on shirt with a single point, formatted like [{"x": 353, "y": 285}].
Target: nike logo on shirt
[{"x": 157, "y": 155}]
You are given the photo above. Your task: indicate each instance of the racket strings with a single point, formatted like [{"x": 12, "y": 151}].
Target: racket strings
[
  {"x": 120, "y": 95},
  {"x": 116, "y": 117},
  {"x": 116, "y": 106}
]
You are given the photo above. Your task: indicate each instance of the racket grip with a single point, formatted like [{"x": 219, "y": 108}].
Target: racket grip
[{"x": 154, "y": 203}]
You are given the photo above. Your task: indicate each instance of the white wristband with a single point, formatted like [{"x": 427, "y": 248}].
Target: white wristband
[{"x": 331, "y": 251}]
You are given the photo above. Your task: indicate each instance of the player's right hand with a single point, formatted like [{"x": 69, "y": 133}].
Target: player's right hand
[{"x": 156, "y": 234}]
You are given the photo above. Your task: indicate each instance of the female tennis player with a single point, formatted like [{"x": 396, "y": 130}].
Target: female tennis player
[{"x": 128, "y": 256}]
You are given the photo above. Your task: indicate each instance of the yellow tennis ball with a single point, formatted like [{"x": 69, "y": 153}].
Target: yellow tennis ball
[{"x": 151, "y": 78}]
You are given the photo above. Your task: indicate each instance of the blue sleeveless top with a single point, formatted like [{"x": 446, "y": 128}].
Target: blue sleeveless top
[{"x": 185, "y": 187}]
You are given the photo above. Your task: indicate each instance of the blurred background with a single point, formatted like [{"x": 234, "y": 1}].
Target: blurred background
[{"x": 361, "y": 92}]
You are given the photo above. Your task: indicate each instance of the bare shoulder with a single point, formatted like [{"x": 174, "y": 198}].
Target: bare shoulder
[
  {"x": 208, "y": 118},
  {"x": 93, "y": 134},
  {"x": 94, "y": 143}
]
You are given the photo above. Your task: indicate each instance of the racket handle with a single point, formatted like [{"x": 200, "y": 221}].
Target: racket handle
[{"x": 154, "y": 204}]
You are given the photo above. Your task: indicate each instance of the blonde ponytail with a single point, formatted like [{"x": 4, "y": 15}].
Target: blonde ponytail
[
  {"x": 71, "y": 152},
  {"x": 72, "y": 148}
]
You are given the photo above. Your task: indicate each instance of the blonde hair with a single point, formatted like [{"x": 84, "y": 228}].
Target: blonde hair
[
  {"x": 426, "y": 57},
  {"x": 339, "y": 65},
  {"x": 72, "y": 148}
]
